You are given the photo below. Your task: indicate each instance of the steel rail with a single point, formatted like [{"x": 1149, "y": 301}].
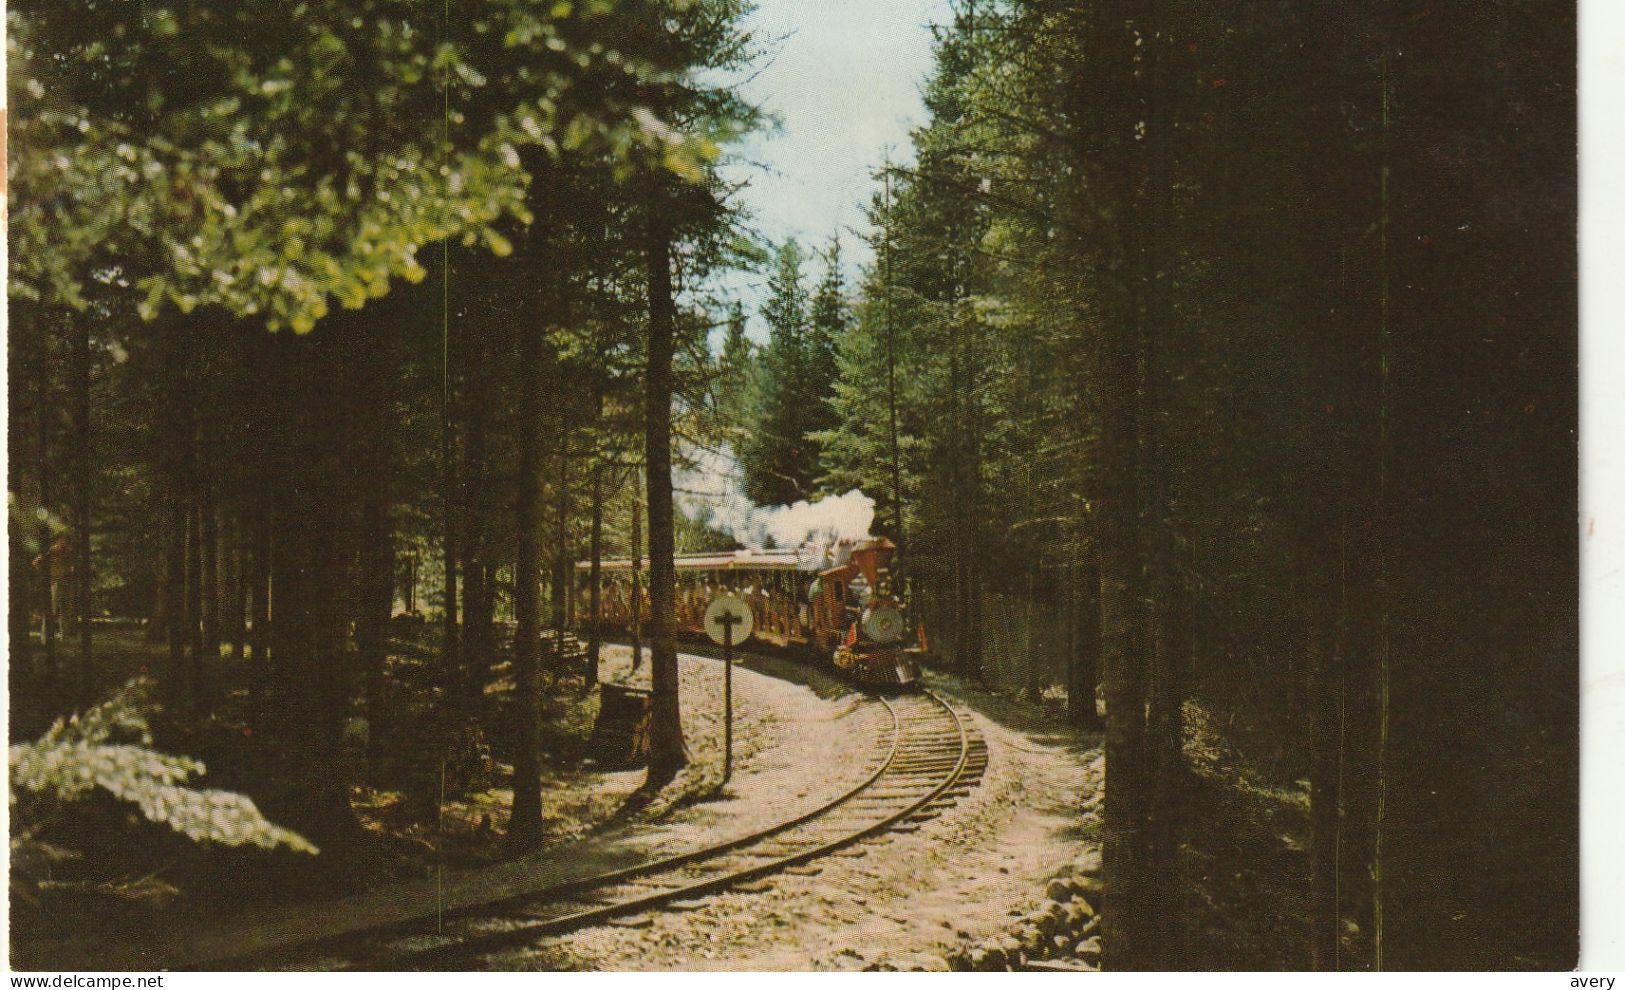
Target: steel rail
[
  {"x": 475, "y": 946},
  {"x": 481, "y": 944}
]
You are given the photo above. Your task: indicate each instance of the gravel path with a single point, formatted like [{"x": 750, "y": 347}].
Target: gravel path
[
  {"x": 793, "y": 750},
  {"x": 906, "y": 900},
  {"x": 903, "y": 901}
]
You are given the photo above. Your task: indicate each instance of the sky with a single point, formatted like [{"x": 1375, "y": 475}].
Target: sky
[{"x": 844, "y": 77}]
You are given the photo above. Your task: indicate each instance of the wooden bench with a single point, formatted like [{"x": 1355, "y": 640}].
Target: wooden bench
[{"x": 620, "y": 737}]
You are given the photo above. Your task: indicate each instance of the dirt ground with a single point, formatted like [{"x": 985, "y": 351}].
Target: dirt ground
[
  {"x": 801, "y": 738},
  {"x": 774, "y": 720},
  {"x": 907, "y": 899}
]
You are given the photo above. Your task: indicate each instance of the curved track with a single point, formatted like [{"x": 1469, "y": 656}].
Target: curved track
[{"x": 933, "y": 756}]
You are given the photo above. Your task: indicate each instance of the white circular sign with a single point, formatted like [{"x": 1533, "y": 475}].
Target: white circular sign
[{"x": 739, "y": 617}]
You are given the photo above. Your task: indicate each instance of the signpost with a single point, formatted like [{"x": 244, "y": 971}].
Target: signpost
[{"x": 724, "y": 613}]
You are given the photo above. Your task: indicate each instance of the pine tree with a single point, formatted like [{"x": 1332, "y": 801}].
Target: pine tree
[
  {"x": 874, "y": 390},
  {"x": 735, "y": 388},
  {"x": 827, "y": 323},
  {"x": 779, "y": 461}
]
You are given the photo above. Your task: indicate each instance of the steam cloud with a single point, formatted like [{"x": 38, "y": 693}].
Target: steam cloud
[{"x": 709, "y": 491}]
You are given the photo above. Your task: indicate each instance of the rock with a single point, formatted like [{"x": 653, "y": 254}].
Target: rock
[
  {"x": 1091, "y": 887},
  {"x": 1058, "y": 890},
  {"x": 992, "y": 959},
  {"x": 1078, "y": 909},
  {"x": 931, "y": 963},
  {"x": 976, "y": 959},
  {"x": 1087, "y": 864},
  {"x": 1088, "y": 950}
]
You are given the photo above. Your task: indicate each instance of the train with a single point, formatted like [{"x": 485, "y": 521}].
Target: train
[{"x": 839, "y": 605}]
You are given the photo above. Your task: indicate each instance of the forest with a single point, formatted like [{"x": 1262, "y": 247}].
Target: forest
[{"x": 1225, "y": 353}]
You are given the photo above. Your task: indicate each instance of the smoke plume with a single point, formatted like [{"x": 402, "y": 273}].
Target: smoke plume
[{"x": 709, "y": 491}]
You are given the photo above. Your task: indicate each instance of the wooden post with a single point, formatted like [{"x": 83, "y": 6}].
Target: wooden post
[{"x": 728, "y": 621}]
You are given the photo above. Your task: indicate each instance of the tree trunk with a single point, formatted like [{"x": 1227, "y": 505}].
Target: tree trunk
[
  {"x": 1166, "y": 688},
  {"x": 1127, "y": 778},
  {"x": 209, "y": 535},
  {"x": 561, "y": 556},
  {"x": 175, "y": 592},
  {"x": 637, "y": 571},
  {"x": 477, "y": 578},
  {"x": 262, "y": 401},
  {"x": 377, "y": 551},
  {"x": 377, "y": 592},
  {"x": 964, "y": 658},
  {"x": 175, "y": 448},
  {"x": 666, "y": 754},
  {"x": 894, "y": 442},
  {"x": 194, "y": 603},
  {"x": 17, "y": 595},
  {"x": 1325, "y": 788},
  {"x": 970, "y": 498},
  {"x": 1122, "y": 647},
  {"x": 525, "y": 822},
  {"x": 315, "y": 544},
  {"x": 20, "y": 588},
  {"x": 594, "y": 579},
  {"x": 259, "y": 581},
  {"x": 450, "y": 659},
  {"x": 47, "y": 586},
  {"x": 84, "y": 463},
  {"x": 238, "y": 596},
  {"x": 1084, "y": 602}
]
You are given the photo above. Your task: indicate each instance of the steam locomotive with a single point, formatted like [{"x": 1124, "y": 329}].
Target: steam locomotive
[{"x": 839, "y": 605}]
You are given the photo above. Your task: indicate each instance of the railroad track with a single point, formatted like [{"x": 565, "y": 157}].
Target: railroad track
[{"x": 932, "y": 757}]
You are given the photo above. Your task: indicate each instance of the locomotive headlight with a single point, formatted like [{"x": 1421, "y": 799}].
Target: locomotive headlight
[{"x": 884, "y": 624}]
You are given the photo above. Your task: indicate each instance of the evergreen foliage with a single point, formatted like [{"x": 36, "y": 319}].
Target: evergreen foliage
[
  {"x": 775, "y": 458},
  {"x": 1235, "y": 341},
  {"x": 794, "y": 380},
  {"x": 109, "y": 747}
]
